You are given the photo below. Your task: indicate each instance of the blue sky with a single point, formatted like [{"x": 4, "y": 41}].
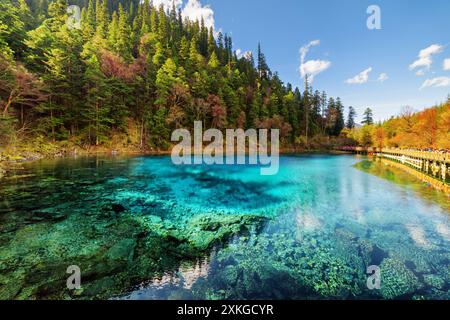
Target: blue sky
[{"x": 347, "y": 46}]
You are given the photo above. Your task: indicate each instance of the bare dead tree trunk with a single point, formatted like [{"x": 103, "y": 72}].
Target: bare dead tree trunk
[
  {"x": 8, "y": 104},
  {"x": 89, "y": 132},
  {"x": 307, "y": 122},
  {"x": 96, "y": 124},
  {"x": 53, "y": 127},
  {"x": 142, "y": 133}
]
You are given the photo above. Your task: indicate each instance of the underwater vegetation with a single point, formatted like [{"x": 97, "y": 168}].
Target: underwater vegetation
[
  {"x": 141, "y": 228},
  {"x": 113, "y": 250}
]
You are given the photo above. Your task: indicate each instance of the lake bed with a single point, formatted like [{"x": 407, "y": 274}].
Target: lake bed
[{"x": 143, "y": 228}]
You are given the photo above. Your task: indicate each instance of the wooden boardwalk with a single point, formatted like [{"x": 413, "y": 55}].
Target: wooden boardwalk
[{"x": 423, "y": 155}]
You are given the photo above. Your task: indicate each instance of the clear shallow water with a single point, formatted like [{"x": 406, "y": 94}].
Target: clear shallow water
[{"x": 142, "y": 228}]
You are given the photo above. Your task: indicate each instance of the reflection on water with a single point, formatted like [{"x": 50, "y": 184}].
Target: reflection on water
[
  {"x": 400, "y": 177},
  {"x": 142, "y": 228},
  {"x": 174, "y": 285}
]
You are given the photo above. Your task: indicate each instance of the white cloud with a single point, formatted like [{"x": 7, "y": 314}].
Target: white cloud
[
  {"x": 194, "y": 10},
  {"x": 360, "y": 78},
  {"x": 304, "y": 50},
  {"x": 383, "y": 77},
  {"x": 420, "y": 73},
  {"x": 248, "y": 55},
  {"x": 447, "y": 64},
  {"x": 311, "y": 68},
  {"x": 424, "y": 59},
  {"x": 244, "y": 54},
  {"x": 436, "y": 82},
  {"x": 167, "y": 3}
]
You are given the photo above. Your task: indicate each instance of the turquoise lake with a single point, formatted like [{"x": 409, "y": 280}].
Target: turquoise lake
[{"x": 143, "y": 228}]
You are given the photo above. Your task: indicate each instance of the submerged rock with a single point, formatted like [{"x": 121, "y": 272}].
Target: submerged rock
[
  {"x": 122, "y": 250},
  {"x": 230, "y": 274},
  {"x": 396, "y": 279},
  {"x": 207, "y": 230},
  {"x": 47, "y": 215},
  {"x": 114, "y": 253},
  {"x": 434, "y": 281}
]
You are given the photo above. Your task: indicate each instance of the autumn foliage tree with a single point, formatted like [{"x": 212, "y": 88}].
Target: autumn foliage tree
[
  {"x": 429, "y": 128},
  {"x": 18, "y": 88}
]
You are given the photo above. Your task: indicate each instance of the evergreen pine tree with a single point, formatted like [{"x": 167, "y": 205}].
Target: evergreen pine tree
[
  {"x": 124, "y": 46},
  {"x": 368, "y": 117},
  {"x": 339, "y": 123},
  {"x": 102, "y": 19},
  {"x": 351, "y": 118}
]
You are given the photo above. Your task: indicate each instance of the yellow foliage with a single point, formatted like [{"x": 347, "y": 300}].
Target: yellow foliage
[{"x": 426, "y": 129}]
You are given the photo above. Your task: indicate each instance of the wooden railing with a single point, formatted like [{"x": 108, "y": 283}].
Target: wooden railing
[{"x": 424, "y": 155}]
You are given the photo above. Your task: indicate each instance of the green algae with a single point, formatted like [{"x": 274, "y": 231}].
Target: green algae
[
  {"x": 397, "y": 279},
  {"x": 142, "y": 228},
  {"x": 275, "y": 268},
  {"x": 113, "y": 253},
  {"x": 434, "y": 281}
]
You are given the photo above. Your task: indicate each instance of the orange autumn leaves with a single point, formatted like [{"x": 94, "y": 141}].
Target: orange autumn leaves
[{"x": 426, "y": 129}]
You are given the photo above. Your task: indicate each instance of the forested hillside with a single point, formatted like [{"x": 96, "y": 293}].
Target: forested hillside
[{"x": 135, "y": 71}]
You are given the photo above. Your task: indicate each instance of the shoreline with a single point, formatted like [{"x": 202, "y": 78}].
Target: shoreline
[
  {"x": 13, "y": 161},
  {"x": 35, "y": 156}
]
